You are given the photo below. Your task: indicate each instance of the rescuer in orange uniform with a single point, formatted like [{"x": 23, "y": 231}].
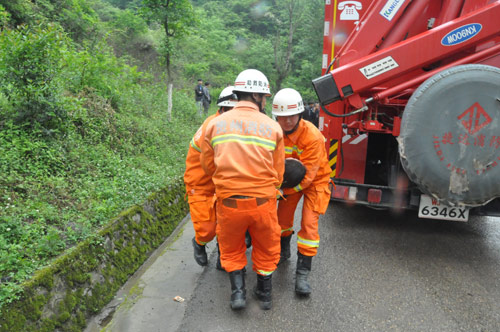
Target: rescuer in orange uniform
[
  {"x": 199, "y": 186},
  {"x": 304, "y": 142},
  {"x": 244, "y": 153}
]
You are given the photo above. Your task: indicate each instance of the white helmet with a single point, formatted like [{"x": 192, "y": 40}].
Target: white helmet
[
  {"x": 253, "y": 81},
  {"x": 227, "y": 98},
  {"x": 287, "y": 102}
]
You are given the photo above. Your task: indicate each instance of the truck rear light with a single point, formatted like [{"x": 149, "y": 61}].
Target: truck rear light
[
  {"x": 374, "y": 195},
  {"x": 340, "y": 192},
  {"x": 353, "y": 191}
]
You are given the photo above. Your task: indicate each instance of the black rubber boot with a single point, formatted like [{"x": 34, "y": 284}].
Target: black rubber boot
[
  {"x": 200, "y": 255},
  {"x": 248, "y": 240},
  {"x": 218, "y": 265},
  {"x": 238, "y": 292},
  {"x": 285, "y": 248},
  {"x": 263, "y": 291},
  {"x": 302, "y": 286}
]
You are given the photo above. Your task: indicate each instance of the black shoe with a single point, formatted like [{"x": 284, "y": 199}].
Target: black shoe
[
  {"x": 285, "y": 248},
  {"x": 302, "y": 286},
  {"x": 200, "y": 255},
  {"x": 238, "y": 291},
  {"x": 263, "y": 291}
]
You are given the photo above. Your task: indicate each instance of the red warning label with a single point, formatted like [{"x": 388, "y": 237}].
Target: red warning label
[{"x": 474, "y": 118}]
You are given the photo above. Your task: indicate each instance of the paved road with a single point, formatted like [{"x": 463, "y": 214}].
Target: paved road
[{"x": 375, "y": 271}]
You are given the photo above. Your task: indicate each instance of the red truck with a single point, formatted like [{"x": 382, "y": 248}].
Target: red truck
[{"x": 410, "y": 104}]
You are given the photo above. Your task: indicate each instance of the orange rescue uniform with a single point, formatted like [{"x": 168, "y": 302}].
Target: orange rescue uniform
[
  {"x": 308, "y": 145},
  {"x": 243, "y": 151},
  {"x": 200, "y": 189}
]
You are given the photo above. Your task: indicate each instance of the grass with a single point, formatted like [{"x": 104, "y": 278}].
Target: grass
[{"x": 56, "y": 192}]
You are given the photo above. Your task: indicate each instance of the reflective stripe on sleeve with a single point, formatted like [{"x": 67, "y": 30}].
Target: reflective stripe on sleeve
[
  {"x": 297, "y": 188},
  {"x": 194, "y": 146},
  {"x": 251, "y": 140},
  {"x": 307, "y": 243},
  {"x": 287, "y": 230},
  {"x": 292, "y": 149}
]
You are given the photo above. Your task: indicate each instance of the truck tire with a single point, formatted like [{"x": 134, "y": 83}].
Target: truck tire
[{"x": 450, "y": 135}]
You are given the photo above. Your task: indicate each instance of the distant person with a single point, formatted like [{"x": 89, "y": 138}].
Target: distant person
[
  {"x": 307, "y": 110},
  {"x": 316, "y": 115},
  {"x": 311, "y": 113},
  {"x": 304, "y": 142},
  {"x": 207, "y": 99},
  {"x": 198, "y": 96}
]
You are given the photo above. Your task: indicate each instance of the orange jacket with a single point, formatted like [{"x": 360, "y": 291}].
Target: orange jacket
[
  {"x": 244, "y": 152},
  {"x": 195, "y": 178},
  {"x": 307, "y": 144}
]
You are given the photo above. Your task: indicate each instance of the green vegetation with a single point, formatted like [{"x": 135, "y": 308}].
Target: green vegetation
[
  {"x": 84, "y": 129},
  {"x": 80, "y": 282}
]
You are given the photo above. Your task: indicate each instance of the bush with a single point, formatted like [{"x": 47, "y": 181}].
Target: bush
[
  {"x": 31, "y": 61},
  {"x": 4, "y": 17},
  {"x": 56, "y": 192}
]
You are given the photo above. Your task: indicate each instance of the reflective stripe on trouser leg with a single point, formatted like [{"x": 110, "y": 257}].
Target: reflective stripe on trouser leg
[
  {"x": 308, "y": 237},
  {"x": 286, "y": 212},
  {"x": 203, "y": 217},
  {"x": 262, "y": 223}
]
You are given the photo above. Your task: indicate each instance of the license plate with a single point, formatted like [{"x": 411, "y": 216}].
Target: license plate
[{"x": 432, "y": 209}]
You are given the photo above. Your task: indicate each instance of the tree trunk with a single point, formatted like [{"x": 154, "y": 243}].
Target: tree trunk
[
  {"x": 169, "y": 107},
  {"x": 169, "y": 89},
  {"x": 278, "y": 82},
  {"x": 282, "y": 59}
]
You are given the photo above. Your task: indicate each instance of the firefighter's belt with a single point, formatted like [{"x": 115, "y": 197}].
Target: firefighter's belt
[{"x": 232, "y": 201}]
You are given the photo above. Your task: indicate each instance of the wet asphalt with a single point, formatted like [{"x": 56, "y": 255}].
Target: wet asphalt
[{"x": 375, "y": 271}]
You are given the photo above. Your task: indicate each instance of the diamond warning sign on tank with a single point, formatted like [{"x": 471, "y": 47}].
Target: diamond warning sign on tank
[{"x": 474, "y": 118}]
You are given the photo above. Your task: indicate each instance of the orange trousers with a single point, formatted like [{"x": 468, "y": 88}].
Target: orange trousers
[
  {"x": 202, "y": 211},
  {"x": 316, "y": 201},
  {"x": 261, "y": 221}
]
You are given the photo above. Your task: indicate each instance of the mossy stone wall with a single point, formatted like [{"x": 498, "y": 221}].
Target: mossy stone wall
[{"x": 63, "y": 296}]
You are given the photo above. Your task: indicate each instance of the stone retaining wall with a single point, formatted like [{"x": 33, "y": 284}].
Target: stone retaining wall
[{"x": 77, "y": 285}]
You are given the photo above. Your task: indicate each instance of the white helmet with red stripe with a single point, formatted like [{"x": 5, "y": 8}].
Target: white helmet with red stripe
[
  {"x": 287, "y": 102},
  {"x": 227, "y": 98},
  {"x": 252, "y": 81}
]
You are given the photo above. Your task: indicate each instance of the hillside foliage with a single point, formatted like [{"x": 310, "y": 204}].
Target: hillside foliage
[{"x": 83, "y": 128}]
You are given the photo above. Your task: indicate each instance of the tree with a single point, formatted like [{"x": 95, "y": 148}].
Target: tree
[
  {"x": 308, "y": 49},
  {"x": 31, "y": 63},
  {"x": 290, "y": 14},
  {"x": 4, "y": 17},
  {"x": 176, "y": 17}
]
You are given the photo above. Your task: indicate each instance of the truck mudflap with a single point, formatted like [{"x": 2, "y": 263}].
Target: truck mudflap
[
  {"x": 384, "y": 197},
  {"x": 450, "y": 136}
]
